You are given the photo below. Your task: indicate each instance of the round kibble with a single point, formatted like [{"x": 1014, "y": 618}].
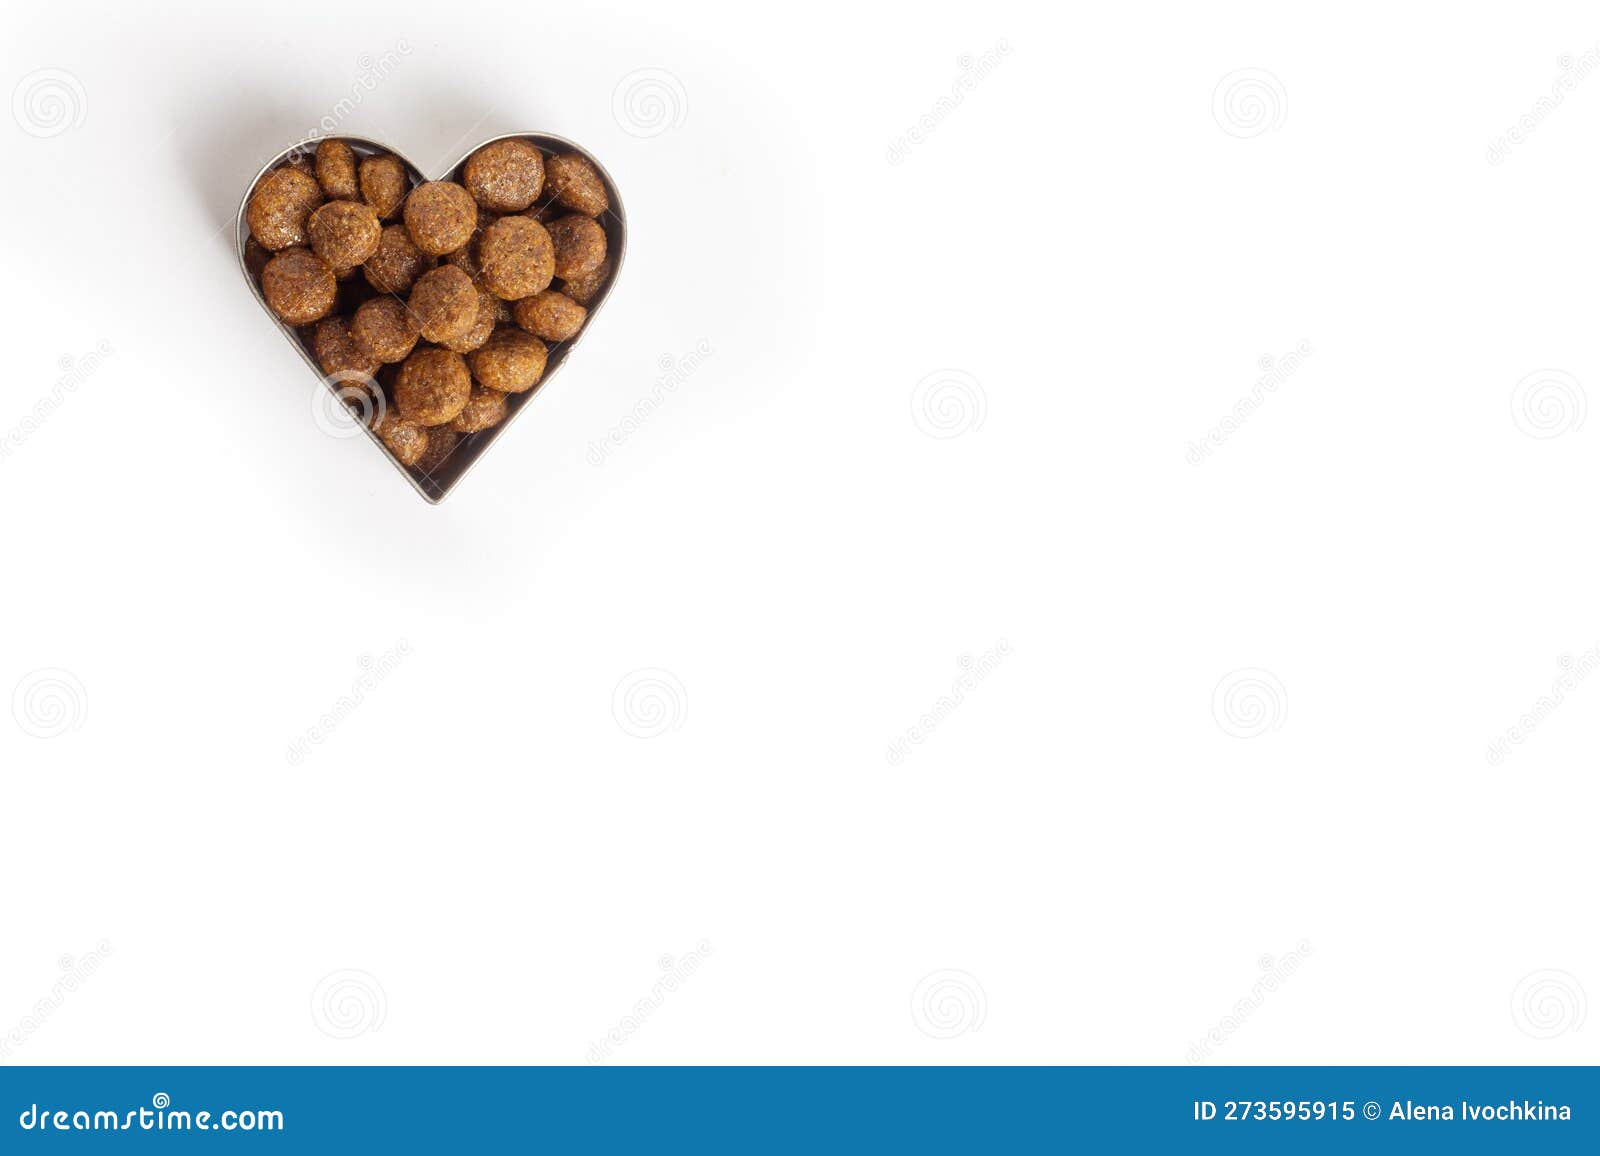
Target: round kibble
[
  {"x": 445, "y": 302},
  {"x": 383, "y": 183},
  {"x": 406, "y": 440},
  {"x": 432, "y": 387},
  {"x": 550, "y": 315},
  {"x": 586, "y": 288},
  {"x": 397, "y": 264},
  {"x": 278, "y": 208},
  {"x": 299, "y": 286},
  {"x": 576, "y": 183},
  {"x": 336, "y": 171},
  {"x": 440, "y": 216},
  {"x": 344, "y": 233},
  {"x": 441, "y": 443},
  {"x": 580, "y": 245},
  {"x": 518, "y": 257},
  {"x": 338, "y": 353},
  {"x": 506, "y": 176},
  {"x": 488, "y": 316},
  {"x": 511, "y": 361},
  {"x": 385, "y": 330},
  {"x": 485, "y": 409},
  {"x": 255, "y": 257}
]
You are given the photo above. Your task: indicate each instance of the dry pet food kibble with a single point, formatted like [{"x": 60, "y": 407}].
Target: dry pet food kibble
[
  {"x": 576, "y": 184},
  {"x": 406, "y": 440},
  {"x": 299, "y": 286},
  {"x": 488, "y": 315},
  {"x": 397, "y": 264},
  {"x": 440, "y": 216},
  {"x": 517, "y": 257},
  {"x": 385, "y": 329},
  {"x": 344, "y": 233},
  {"x": 506, "y": 176},
  {"x": 336, "y": 171},
  {"x": 511, "y": 361},
  {"x": 580, "y": 245},
  {"x": 550, "y": 315},
  {"x": 485, "y": 409},
  {"x": 278, "y": 208},
  {"x": 445, "y": 303},
  {"x": 339, "y": 354},
  {"x": 384, "y": 184},
  {"x": 432, "y": 387}
]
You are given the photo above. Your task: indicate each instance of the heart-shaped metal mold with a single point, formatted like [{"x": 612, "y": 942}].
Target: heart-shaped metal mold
[{"x": 437, "y": 484}]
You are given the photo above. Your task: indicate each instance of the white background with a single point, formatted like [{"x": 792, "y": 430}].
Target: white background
[{"x": 1092, "y": 251}]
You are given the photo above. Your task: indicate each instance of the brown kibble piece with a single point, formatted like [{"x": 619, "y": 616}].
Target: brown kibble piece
[
  {"x": 397, "y": 264},
  {"x": 299, "y": 286},
  {"x": 586, "y": 288},
  {"x": 511, "y": 361},
  {"x": 278, "y": 208},
  {"x": 488, "y": 315},
  {"x": 336, "y": 170},
  {"x": 255, "y": 257},
  {"x": 383, "y": 183},
  {"x": 576, "y": 183},
  {"x": 580, "y": 245},
  {"x": 442, "y": 441},
  {"x": 485, "y": 409},
  {"x": 337, "y": 352},
  {"x": 406, "y": 440},
  {"x": 505, "y": 176},
  {"x": 432, "y": 387},
  {"x": 385, "y": 329},
  {"x": 440, "y": 216},
  {"x": 550, "y": 315},
  {"x": 517, "y": 257},
  {"x": 445, "y": 302},
  {"x": 344, "y": 233}
]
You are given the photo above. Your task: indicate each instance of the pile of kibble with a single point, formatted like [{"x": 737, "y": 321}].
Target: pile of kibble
[{"x": 438, "y": 299}]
